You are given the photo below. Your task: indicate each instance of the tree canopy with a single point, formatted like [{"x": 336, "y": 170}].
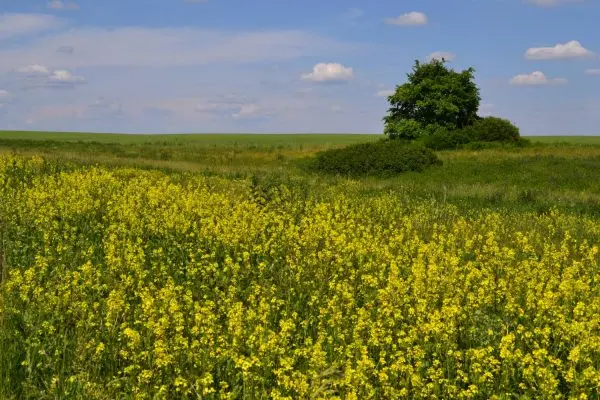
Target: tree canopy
[{"x": 434, "y": 96}]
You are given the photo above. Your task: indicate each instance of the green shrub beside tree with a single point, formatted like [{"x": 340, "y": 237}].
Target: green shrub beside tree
[
  {"x": 493, "y": 129},
  {"x": 484, "y": 133},
  {"x": 384, "y": 157},
  {"x": 438, "y": 107}
]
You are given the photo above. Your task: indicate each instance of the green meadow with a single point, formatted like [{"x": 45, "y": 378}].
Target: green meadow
[{"x": 554, "y": 171}]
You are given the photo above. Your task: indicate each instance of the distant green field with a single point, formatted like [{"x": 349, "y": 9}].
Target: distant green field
[
  {"x": 566, "y": 139},
  {"x": 210, "y": 139},
  {"x": 240, "y": 138}
]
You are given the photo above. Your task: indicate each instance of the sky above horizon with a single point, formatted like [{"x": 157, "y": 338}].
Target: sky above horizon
[{"x": 161, "y": 66}]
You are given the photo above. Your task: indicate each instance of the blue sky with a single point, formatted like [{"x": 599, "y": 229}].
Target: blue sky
[{"x": 287, "y": 66}]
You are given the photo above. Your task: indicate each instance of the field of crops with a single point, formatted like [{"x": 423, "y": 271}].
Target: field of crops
[{"x": 228, "y": 272}]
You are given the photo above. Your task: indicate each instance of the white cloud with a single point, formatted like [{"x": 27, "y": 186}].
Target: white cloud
[
  {"x": 592, "y": 71},
  {"x": 34, "y": 70},
  {"x": 536, "y": 78},
  {"x": 411, "y": 19},
  {"x": 336, "y": 108},
  {"x": 552, "y": 3},
  {"x": 329, "y": 72},
  {"x": 247, "y": 110},
  {"x": 385, "y": 93},
  {"x": 438, "y": 55},
  {"x": 572, "y": 49},
  {"x": 164, "y": 47},
  {"x": 63, "y": 5},
  {"x": 62, "y": 77},
  {"x": 41, "y": 76},
  {"x": 12, "y": 25}
]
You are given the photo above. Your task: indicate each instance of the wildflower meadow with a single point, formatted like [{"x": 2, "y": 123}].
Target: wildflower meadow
[{"x": 123, "y": 283}]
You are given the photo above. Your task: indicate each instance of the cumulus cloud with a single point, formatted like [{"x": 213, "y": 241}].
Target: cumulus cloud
[
  {"x": 12, "y": 25},
  {"x": 63, "y": 5},
  {"x": 329, "y": 72},
  {"x": 164, "y": 47},
  {"x": 34, "y": 70},
  {"x": 536, "y": 78},
  {"x": 439, "y": 55},
  {"x": 37, "y": 75},
  {"x": 409, "y": 19},
  {"x": 64, "y": 77},
  {"x": 592, "y": 71},
  {"x": 572, "y": 49}
]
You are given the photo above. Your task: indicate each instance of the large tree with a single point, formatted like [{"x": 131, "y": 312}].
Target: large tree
[{"x": 435, "y": 96}]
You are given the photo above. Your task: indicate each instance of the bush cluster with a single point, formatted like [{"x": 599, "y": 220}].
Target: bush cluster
[
  {"x": 438, "y": 107},
  {"x": 480, "y": 134},
  {"x": 383, "y": 157}
]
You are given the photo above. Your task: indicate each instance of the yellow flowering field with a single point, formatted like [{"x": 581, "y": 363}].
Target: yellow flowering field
[{"x": 120, "y": 283}]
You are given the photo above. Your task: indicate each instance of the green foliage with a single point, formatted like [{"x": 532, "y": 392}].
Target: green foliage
[
  {"x": 488, "y": 132},
  {"x": 433, "y": 95},
  {"x": 407, "y": 129},
  {"x": 493, "y": 129},
  {"x": 444, "y": 139},
  {"x": 379, "y": 158}
]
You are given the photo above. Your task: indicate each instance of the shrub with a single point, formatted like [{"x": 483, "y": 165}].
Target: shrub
[
  {"x": 384, "y": 157},
  {"x": 488, "y": 132},
  {"x": 493, "y": 129},
  {"x": 442, "y": 139}
]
